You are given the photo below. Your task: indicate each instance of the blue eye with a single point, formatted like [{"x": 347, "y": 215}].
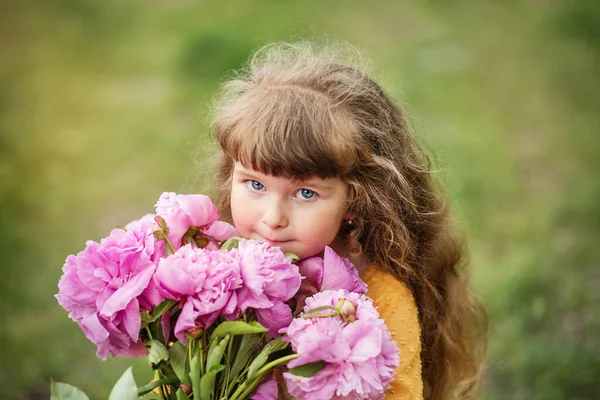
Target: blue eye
[
  {"x": 306, "y": 194},
  {"x": 255, "y": 185}
]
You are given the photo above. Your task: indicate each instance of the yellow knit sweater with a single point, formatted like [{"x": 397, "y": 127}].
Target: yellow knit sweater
[{"x": 397, "y": 307}]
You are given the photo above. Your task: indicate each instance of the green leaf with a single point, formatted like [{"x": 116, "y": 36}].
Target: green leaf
[
  {"x": 309, "y": 370},
  {"x": 181, "y": 395},
  {"x": 157, "y": 353},
  {"x": 161, "y": 222},
  {"x": 178, "y": 359},
  {"x": 64, "y": 391},
  {"x": 125, "y": 388},
  {"x": 231, "y": 243},
  {"x": 215, "y": 354},
  {"x": 207, "y": 383},
  {"x": 151, "y": 396},
  {"x": 160, "y": 309},
  {"x": 262, "y": 357},
  {"x": 238, "y": 328},
  {"x": 247, "y": 346},
  {"x": 195, "y": 376},
  {"x": 292, "y": 256},
  {"x": 213, "y": 343}
]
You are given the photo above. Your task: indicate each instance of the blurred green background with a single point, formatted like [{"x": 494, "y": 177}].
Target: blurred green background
[{"x": 103, "y": 106}]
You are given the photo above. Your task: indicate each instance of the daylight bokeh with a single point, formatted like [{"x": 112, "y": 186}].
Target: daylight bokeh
[{"x": 104, "y": 104}]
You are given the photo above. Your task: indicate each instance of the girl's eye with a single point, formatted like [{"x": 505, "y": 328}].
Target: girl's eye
[
  {"x": 255, "y": 185},
  {"x": 306, "y": 194}
]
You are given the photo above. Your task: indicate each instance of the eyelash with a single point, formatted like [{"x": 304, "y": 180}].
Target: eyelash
[{"x": 250, "y": 184}]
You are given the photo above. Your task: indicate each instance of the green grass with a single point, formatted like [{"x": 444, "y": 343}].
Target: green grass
[{"x": 103, "y": 107}]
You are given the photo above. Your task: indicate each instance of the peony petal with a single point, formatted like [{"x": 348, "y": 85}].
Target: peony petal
[
  {"x": 312, "y": 270},
  {"x": 132, "y": 321},
  {"x": 96, "y": 333},
  {"x": 178, "y": 224},
  {"x": 285, "y": 282},
  {"x": 199, "y": 207},
  {"x": 339, "y": 273},
  {"x": 131, "y": 289},
  {"x": 136, "y": 350},
  {"x": 72, "y": 288},
  {"x": 143, "y": 223},
  {"x": 88, "y": 261},
  {"x": 365, "y": 340},
  {"x": 151, "y": 296},
  {"x": 221, "y": 231},
  {"x": 186, "y": 320},
  {"x": 275, "y": 318},
  {"x": 173, "y": 282},
  {"x": 266, "y": 391}
]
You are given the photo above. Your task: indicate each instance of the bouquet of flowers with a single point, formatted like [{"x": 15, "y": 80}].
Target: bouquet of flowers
[{"x": 216, "y": 314}]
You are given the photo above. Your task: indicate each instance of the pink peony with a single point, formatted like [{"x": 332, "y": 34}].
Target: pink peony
[
  {"x": 102, "y": 286},
  {"x": 266, "y": 391},
  {"x": 275, "y": 318},
  {"x": 220, "y": 231},
  {"x": 331, "y": 272},
  {"x": 204, "y": 281},
  {"x": 182, "y": 211},
  {"x": 269, "y": 276},
  {"x": 148, "y": 223},
  {"x": 361, "y": 355}
]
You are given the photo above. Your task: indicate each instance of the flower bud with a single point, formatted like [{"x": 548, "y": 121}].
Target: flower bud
[
  {"x": 347, "y": 310},
  {"x": 201, "y": 241},
  {"x": 195, "y": 333},
  {"x": 187, "y": 389}
]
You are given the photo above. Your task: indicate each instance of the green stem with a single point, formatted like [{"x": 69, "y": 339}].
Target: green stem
[
  {"x": 276, "y": 363},
  {"x": 171, "y": 249},
  {"x": 142, "y": 390},
  {"x": 244, "y": 387},
  {"x": 201, "y": 354},
  {"x": 232, "y": 386},
  {"x": 149, "y": 332},
  {"x": 227, "y": 370},
  {"x": 333, "y": 314},
  {"x": 251, "y": 388},
  {"x": 322, "y": 308}
]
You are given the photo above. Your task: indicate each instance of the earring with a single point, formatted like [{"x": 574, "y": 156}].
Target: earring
[{"x": 350, "y": 222}]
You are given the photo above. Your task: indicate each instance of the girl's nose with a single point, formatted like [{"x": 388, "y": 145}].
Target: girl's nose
[{"x": 275, "y": 215}]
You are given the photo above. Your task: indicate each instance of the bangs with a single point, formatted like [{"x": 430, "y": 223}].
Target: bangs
[{"x": 288, "y": 131}]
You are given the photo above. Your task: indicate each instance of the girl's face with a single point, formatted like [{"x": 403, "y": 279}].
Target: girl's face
[{"x": 301, "y": 217}]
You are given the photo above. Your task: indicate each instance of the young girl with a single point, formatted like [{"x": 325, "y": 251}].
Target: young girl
[{"x": 315, "y": 154}]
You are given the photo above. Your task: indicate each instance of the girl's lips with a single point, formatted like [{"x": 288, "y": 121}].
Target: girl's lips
[
  {"x": 273, "y": 241},
  {"x": 276, "y": 241}
]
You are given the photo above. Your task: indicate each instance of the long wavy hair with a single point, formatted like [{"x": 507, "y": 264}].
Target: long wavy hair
[{"x": 300, "y": 110}]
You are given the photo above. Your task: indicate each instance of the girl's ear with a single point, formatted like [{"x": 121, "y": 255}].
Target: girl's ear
[
  {"x": 349, "y": 221},
  {"x": 349, "y": 217}
]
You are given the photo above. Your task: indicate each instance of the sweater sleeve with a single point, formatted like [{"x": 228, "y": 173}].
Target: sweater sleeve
[{"x": 397, "y": 307}]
